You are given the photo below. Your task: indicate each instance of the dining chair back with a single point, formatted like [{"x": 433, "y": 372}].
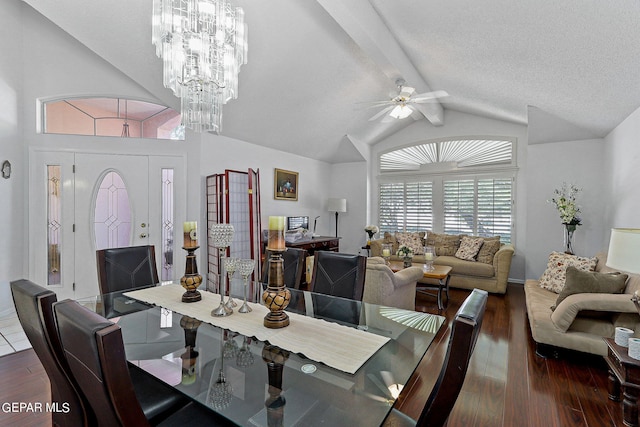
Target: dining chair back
[
  {"x": 35, "y": 312},
  {"x": 464, "y": 334},
  {"x": 94, "y": 349},
  {"x": 293, "y": 259},
  {"x": 126, "y": 268},
  {"x": 121, "y": 269},
  {"x": 339, "y": 274}
]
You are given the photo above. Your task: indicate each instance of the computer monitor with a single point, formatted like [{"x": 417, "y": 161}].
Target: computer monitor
[{"x": 294, "y": 222}]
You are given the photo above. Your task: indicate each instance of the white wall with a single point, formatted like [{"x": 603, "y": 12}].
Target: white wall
[
  {"x": 622, "y": 176},
  {"x": 348, "y": 181},
  {"x": 462, "y": 124},
  {"x": 12, "y": 223},
  {"x": 548, "y": 166}
]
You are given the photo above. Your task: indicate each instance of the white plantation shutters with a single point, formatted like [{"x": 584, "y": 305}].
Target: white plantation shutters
[
  {"x": 406, "y": 206},
  {"x": 481, "y": 207}
]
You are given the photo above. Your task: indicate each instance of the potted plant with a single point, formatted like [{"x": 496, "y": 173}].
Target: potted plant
[{"x": 406, "y": 253}]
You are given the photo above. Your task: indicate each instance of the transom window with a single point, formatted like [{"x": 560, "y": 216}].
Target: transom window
[
  {"x": 459, "y": 153},
  {"x": 473, "y": 196},
  {"x": 118, "y": 117}
]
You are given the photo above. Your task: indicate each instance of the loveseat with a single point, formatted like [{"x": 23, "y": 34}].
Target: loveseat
[
  {"x": 488, "y": 269},
  {"x": 580, "y": 320}
]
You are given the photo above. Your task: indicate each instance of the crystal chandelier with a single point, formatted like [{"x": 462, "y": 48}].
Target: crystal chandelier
[{"x": 202, "y": 44}]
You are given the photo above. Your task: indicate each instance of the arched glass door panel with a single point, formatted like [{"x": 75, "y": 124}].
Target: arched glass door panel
[{"x": 112, "y": 215}]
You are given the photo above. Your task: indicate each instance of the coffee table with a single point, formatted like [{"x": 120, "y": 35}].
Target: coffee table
[{"x": 439, "y": 273}]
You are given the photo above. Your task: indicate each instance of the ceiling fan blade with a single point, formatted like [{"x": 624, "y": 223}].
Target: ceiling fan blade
[
  {"x": 375, "y": 104},
  {"x": 428, "y": 96},
  {"x": 381, "y": 113}
]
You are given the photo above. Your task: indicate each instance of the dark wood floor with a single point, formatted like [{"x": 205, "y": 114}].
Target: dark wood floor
[{"x": 507, "y": 384}]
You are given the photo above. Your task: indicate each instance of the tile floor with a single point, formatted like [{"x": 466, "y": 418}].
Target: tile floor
[{"x": 12, "y": 337}]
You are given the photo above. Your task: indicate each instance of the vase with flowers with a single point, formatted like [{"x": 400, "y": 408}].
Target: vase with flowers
[
  {"x": 565, "y": 201},
  {"x": 406, "y": 253},
  {"x": 371, "y": 231}
]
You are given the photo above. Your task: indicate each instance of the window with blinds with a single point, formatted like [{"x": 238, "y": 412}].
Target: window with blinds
[
  {"x": 406, "y": 206},
  {"x": 481, "y": 207},
  {"x": 450, "y": 185}
]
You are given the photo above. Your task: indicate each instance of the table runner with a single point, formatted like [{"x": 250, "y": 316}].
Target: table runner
[{"x": 338, "y": 346}]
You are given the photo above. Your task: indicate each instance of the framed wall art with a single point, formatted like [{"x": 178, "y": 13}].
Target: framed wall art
[{"x": 285, "y": 185}]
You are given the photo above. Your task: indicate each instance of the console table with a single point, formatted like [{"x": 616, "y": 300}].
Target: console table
[
  {"x": 321, "y": 243},
  {"x": 623, "y": 371}
]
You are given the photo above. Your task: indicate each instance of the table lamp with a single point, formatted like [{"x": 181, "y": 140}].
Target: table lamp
[
  {"x": 624, "y": 254},
  {"x": 337, "y": 205}
]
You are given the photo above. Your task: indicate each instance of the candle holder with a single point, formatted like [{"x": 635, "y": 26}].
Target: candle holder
[
  {"x": 275, "y": 358},
  {"x": 245, "y": 267},
  {"x": 276, "y": 297},
  {"x": 386, "y": 252},
  {"x": 221, "y": 236},
  {"x": 190, "y": 356},
  {"x": 429, "y": 256},
  {"x": 231, "y": 265},
  {"x": 191, "y": 279}
]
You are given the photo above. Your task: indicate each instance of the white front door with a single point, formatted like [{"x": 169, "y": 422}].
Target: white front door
[{"x": 115, "y": 201}]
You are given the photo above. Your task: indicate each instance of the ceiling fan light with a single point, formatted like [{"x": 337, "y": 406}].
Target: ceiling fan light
[{"x": 400, "y": 112}]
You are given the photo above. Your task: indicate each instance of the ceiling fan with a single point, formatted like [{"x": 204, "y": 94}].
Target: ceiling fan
[{"x": 402, "y": 105}]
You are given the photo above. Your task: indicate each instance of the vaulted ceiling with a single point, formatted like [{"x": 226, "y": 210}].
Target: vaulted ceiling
[{"x": 312, "y": 63}]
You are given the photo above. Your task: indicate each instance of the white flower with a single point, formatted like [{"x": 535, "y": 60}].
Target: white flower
[
  {"x": 565, "y": 201},
  {"x": 371, "y": 230},
  {"x": 404, "y": 251}
]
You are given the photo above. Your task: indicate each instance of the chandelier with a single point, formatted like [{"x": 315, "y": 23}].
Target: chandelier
[{"x": 202, "y": 44}]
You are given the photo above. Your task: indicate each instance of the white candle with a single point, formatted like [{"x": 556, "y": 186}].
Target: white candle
[
  {"x": 276, "y": 233},
  {"x": 190, "y": 234},
  {"x": 386, "y": 252},
  {"x": 428, "y": 256}
]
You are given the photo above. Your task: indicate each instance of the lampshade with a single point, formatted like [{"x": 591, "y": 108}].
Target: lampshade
[
  {"x": 337, "y": 205},
  {"x": 624, "y": 250}
]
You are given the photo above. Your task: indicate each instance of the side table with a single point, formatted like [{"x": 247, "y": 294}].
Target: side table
[
  {"x": 439, "y": 273},
  {"x": 623, "y": 371}
]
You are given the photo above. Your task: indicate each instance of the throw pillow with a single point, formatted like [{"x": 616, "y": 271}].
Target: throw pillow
[
  {"x": 444, "y": 244},
  {"x": 554, "y": 276},
  {"x": 580, "y": 282},
  {"x": 411, "y": 240},
  {"x": 469, "y": 248},
  {"x": 488, "y": 250}
]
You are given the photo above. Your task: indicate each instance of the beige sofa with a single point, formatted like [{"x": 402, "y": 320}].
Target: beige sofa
[
  {"x": 581, "y": 320},
  {"x": 492, "y": 276},
  {"x": 384, "y": 287}
]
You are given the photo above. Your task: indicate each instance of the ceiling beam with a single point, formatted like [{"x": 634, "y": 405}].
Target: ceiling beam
[{"x": 364, "y": 25}]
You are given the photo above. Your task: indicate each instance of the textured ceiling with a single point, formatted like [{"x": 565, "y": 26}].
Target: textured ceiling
[{"x": 312, "y": 61}]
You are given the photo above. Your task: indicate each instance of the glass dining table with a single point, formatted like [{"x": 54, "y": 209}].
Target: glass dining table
[{"x": 256, "y": 383}]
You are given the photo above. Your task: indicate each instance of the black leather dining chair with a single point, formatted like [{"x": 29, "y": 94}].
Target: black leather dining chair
[
  {"x": 293, "y": 260},
  {"x": 340, "y": 275},
  {"x": 95, "y": 352},
  {"x": 121, "y": 269},
  {"x": 464, "y": 334},
  {"x": 35, "y": 312},
  {"x": 126, "y": 268}
]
